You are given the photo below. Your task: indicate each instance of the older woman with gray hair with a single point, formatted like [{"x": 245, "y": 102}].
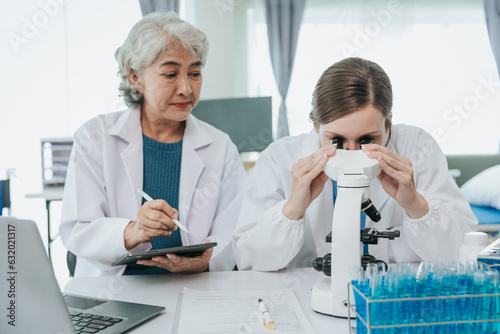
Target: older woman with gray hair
[{"x": 190, "y": 169}]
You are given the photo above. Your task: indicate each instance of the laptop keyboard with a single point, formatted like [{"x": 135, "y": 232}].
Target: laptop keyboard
[{"x": 91, "y": 323}]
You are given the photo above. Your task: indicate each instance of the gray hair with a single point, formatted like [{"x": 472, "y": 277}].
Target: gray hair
[{"x": 154, "y": 34}]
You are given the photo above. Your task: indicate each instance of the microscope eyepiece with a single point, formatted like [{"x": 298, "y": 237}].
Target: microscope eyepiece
[{"x": 370, "y": 210}]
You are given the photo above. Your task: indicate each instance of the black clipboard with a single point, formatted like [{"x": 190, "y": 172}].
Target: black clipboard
[{"x": 189, "y": 251}]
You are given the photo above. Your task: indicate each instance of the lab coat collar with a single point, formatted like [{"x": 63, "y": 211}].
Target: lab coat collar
[
  {"x": 195, "y": 138},
  {"x": 128, "y": 125},
  {"x": 196, "y": 135}
]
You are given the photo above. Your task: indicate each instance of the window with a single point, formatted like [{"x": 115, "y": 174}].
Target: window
[
  {"x": 59, "y": 71},
  {"x": 437, "y": 54}
]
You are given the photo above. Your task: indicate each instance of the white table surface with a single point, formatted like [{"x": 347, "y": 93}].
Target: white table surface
[
  {"x": 164, "y": 290},
  {"x": 48, "y": 194}
]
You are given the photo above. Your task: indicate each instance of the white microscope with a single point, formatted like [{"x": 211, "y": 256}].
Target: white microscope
[{"x": 353, "y": 171}]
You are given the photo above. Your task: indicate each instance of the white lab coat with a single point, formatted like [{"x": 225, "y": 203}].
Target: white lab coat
[
  {"x": 105, "y": 171},
  {"x": 266, "y": 240}
]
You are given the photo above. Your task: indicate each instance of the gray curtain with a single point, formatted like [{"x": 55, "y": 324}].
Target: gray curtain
[
  {"x": 149, "y": 6},
  {"x": 284, "y": 18},
  {"x": 492, "y": 12}
]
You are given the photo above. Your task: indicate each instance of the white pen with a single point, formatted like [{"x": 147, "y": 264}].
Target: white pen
[
  {"x": 148, "y": 198},
  {"x": 268, "y": 322}
]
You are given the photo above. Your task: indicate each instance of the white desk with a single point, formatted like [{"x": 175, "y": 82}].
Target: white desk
[
  {"x": 49, "y": 194},
  {"x": 164, "y": 290}
]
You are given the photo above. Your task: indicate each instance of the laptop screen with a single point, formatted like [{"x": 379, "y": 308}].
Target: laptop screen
[{"x": 32, "y": 300}]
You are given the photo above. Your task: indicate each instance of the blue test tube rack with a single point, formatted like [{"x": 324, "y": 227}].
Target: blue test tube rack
[{"x": 461, "y": 304}]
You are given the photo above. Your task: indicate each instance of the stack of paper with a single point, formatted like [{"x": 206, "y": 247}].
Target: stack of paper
[{"x": 238, "y": 312}]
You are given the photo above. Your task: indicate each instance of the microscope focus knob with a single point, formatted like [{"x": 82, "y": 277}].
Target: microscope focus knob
[{"x": 323, "y": 264}]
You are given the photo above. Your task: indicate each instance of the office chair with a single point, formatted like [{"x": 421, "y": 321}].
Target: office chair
[
  {"x": 71, "y": 263},
  {"x": 56, "y": 152},
  {"x": 5, "y": 195}
]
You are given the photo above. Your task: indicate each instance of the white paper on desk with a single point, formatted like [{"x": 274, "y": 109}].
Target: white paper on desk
[{"x": 238, "y": 312}]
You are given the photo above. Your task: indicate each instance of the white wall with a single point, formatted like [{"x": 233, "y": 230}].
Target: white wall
[
  {"x": 44, "y": 94},
  {"x": 93, "y": 37},
  {"x": 225, "y": 74},
  {"x": 59, "y": 71},
  {"x": 437, "y": 54}
]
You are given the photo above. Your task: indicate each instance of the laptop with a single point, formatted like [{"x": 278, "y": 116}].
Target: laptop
[{"x": 31, "y": 301}]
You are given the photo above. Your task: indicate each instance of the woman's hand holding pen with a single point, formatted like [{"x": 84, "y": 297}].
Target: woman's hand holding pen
[
  {"x": 181, "y": 264},
  {"x": 308, "y": 181},
  {"x": 154, "y": 219},
  {"x": 397, "y": 180}
]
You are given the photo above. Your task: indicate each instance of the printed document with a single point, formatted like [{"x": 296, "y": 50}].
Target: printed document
[{"x": 238, "y": 312}]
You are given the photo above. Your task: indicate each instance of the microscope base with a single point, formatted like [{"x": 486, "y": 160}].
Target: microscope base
[{"x": 321, "y": 300}]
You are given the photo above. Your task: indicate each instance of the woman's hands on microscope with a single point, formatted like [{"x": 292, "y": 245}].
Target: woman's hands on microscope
[
  {"x": 308, "y": 181},
  {"x": 397, "y": 179}
]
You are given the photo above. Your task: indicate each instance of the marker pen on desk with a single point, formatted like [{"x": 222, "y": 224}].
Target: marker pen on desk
[
  {"x": 268, "y": 322},
  {"x": 148, "y": 198}
]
